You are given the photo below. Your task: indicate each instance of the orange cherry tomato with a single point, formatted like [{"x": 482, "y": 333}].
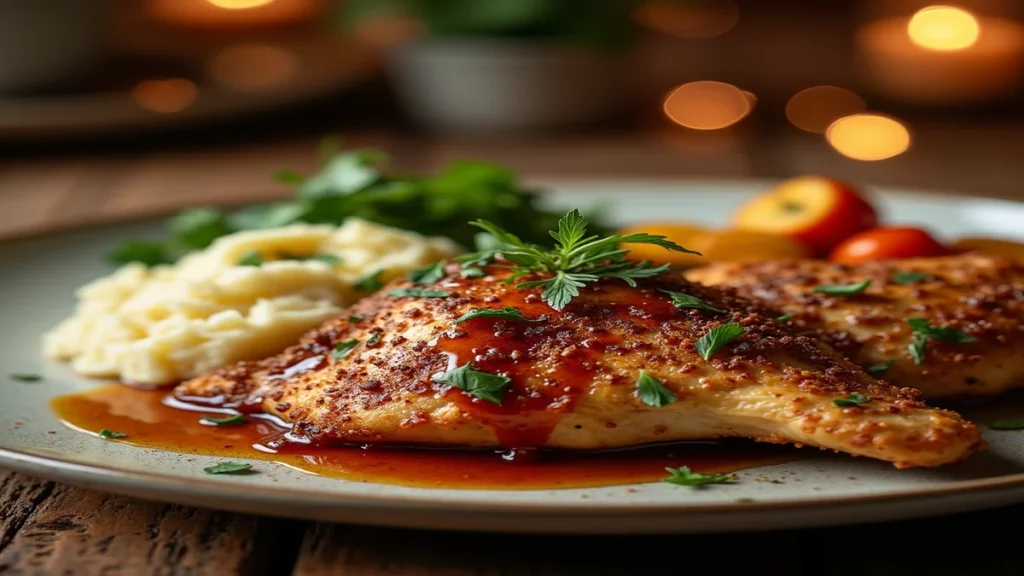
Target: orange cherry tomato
[{"x": 888, "y": 243}]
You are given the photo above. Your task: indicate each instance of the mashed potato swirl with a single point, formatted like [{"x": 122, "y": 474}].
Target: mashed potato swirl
[{"x": 164, "y": 324}]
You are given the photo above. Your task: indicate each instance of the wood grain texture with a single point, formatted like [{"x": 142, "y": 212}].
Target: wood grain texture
[
  {"x": 361, "y": 551},
  {"x": 48, "y": 528}
]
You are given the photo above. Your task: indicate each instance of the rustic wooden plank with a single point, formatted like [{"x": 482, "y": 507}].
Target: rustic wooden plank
[
  {"x": 48, "y": 528},
  {"x": 971, "y": 543},
  {"x": 362, "y": 551}
]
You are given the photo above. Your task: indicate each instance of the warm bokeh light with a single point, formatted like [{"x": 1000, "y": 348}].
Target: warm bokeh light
[
  {"x": 707, "y": 105},
  {"x": 815, "y": 109},
  {"x": 165, "y": 96},
  {"x": 238, "y": 4},
  {"x": 868, "y": 137},
  {"x": 944, "y": 28},
  {"x": 252, "y": 67},
  {"x": 689, "y": 20}
]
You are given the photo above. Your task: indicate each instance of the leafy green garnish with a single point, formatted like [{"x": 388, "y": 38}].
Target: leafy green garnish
[
  {"x": 370, "y": 282},
  {"x": 233, "y": 420},
  {"x": 428, "y": 274},
  {"x": 909, "y": 277},
  {"x": 472, "y": 272},
  {"x": 145, "y": 252},
  {"x": 843, "y": 289},
  {"x": 506, "y": 313},
  {"x": 354, "y": 184},
  {"x": 489, "y": 387},
  {"x": 683, "y": 476},
  {"x": 355, "y": 319},
  {"x": 228, "y": 468},
  {"x": 373, "y": 339},
  {"x": 251, "y": 258},
  {"x": 716, "y": 338},
  {"x": 419, "y": 293},
  {"x": 652, "y": 392},
  {"x": 680, "y": 300},
  {"x": 784, "y": 318},
  {"x": 575, "y": 261},
  {"x": 343, "y": 348},
  {"x": 924, "y": 331},
  {"x": 110, "y": 434},
  {"x": 851, "y": 400},
  {"x": 881, "y": 367},
  {"x": 25, "y": 377},
  {"x": 1007, "y": 425}
]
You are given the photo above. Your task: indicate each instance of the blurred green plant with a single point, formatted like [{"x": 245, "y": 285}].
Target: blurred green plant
[{"x": 603, "y": 24}]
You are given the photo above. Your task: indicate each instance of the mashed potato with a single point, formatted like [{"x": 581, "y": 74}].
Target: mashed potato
[{"x": 164, "y": 324}]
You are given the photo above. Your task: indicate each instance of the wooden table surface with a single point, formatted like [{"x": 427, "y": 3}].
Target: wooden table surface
[{"x": 50, "y": 528}]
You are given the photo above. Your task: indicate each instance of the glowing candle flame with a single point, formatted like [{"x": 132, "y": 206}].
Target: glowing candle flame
[{"x": 944, "y": 28}]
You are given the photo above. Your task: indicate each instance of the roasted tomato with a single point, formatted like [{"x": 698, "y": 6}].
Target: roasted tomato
[
  {"x": 819, "y": 212},
  {"x": 888, "y": 243}
]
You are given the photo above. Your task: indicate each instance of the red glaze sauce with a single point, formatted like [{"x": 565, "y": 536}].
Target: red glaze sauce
[{"x": 150, "y": 419}]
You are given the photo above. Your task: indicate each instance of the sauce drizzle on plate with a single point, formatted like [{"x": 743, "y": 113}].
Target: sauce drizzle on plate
[{"x": 151, "y": 419}]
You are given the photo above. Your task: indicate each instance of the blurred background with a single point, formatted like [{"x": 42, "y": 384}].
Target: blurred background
[{"x": 122, "y": 106}]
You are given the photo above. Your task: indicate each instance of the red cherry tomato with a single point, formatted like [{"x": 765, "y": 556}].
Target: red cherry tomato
[{"x": 887, "y": 243}]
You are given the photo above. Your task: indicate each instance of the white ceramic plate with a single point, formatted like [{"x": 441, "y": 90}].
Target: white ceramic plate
[{"x": 39, "y": 275}]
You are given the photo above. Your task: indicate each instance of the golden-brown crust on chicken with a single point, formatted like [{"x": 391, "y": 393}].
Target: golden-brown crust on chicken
[
  {"x": 573, "y": 377},
  {"x": 981, "y": 296}
]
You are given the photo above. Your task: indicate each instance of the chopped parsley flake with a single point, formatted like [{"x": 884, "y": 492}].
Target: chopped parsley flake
[
  {"x": 489, "y": 387},
  {"x": 851, "y": 400},
  {"x": 681, "y": 301},
  {"x": 683, "y": 476},
  {"x": 25, "y": 377},
  {"x": 881, "y": 367},
  {"x": 652, "y": 392},
  {"x": 843, "y": 289},
  {"x": 924, "y": 331},
  {"x": 228, "y": 468},
  {"x": 233, "y": 420},
  {"x": 716, "y": 338},
  {"x": 343, "y": 348},
  {"x": 109, "y": 434},
  {"x": 370, "y": 282},
  {"x": 506, "y": 313}
]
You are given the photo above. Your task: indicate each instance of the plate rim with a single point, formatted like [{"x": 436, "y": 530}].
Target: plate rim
[{"x": 167, "y": 487}]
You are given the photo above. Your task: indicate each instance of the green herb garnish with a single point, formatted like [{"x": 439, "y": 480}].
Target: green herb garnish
[
  {"x": 370, "y": 282},
  {"x": 575, "y": 261},
  {"x": 25, "y": 377},
  {"x": 851, "y": 400},
  {"x": 683, "y": 476},
  {"x": 228, "y": 468},
  {"x": 343, "y": 348},
  {"x": 843, "y": 289},
  {"x": 909, "y": 277},
  {"x": 110, "y": 434},
  {"x": 354, "y": 183},
  {"x": 881, "y": 367},
  {"x": 325, "y": 258},
  {"x": 355, "y": 319},
  {"x": 924, "y": 331},
  {"x": 716, "y": 338},
  {"x": 373, "y": 339},
  {"x": 233, "y": 420},
  {"x": 419, "y": 293},
  {"x": 428, "y": 274},
  {"x": 472, "y": 272},
  {"x": 251, "y": 258},
  {"x": 652, "y": 392},
  {"x": 506, "y": 313},
  {"x": 680, "y": 300},
  {"x": 1007, "y": 425},
  {"x": 784, "y": 318},
  {"x": 489, "y": 387}
]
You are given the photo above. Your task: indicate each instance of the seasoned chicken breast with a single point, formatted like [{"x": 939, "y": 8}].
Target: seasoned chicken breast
[
  {"x": 618, "y": 366},
  {"x": 951, "y": 326}
]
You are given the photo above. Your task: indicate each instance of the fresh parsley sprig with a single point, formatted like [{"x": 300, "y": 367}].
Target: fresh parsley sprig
[
  {"x": 684, "y": 476},
  {"x": 575, "y": 261},
  {"x": 924, "y": 331}
]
